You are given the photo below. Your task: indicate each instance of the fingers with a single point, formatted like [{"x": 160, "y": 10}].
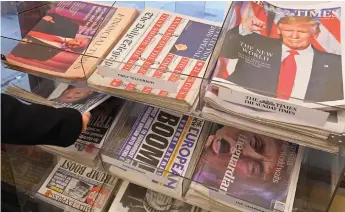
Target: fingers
[
  {"x": 258, "y": 23},
  {"x": 86, "y": 118}
]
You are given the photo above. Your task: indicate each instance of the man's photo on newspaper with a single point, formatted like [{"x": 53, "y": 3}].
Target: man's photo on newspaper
[{"x": 283, "y": 56}]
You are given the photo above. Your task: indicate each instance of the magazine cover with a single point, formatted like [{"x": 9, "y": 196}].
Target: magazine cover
[
  {"x": 69, "y": 29},
  {"x": 156, "y": 145},
  {"x": 288, "y": 54},
  {"x": 78, "y": 186},
  {"x": 82, "y": 99},
  {"x": 165, "y": 46},
  {"x": 134, "y": 198},
  {"x": 254, "y": 170}
]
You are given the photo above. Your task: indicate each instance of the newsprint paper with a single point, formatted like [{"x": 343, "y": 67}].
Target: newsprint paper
[
  {"x": 250, "y": 78},
  {"x": 132, "y": 197},
  {"x": 154, "y": 148},
  {"x": 77, "y": 187},
  {"x": 81, "y": 99},
  {"x": 87, "y": 147},
  {"x": 70, "y": 38},
  {"x": 248, "y": 171},
  {"x": 289, "y": 54},
  {"x": 160, "y": 49}
]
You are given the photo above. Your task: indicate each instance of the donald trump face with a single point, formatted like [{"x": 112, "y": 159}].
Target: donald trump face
[{"x": 298, "y": 32}]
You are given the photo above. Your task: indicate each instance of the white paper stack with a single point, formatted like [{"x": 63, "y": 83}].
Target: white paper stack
[
  {"x": 75, "y": 187},
  {"x": 250, "y": 82},
  {"x": 245, "y": 171},
  {"x": 155, "y": 148},
  {"x": 161, "y": 59}
]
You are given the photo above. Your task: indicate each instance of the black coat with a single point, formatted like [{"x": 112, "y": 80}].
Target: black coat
[
  {"x": 325, "y": 84},
  {"x": 33, "y": 124}
]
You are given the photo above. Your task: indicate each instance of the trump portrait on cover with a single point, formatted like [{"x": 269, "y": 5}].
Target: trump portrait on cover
[{"x": 281, "y": 68}]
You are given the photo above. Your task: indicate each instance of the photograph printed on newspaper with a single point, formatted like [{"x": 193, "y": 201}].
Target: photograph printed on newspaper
[
  {"x": 248, "y": 167},
  {"x": 56, "y": 43},
  {"x": 134, "y": 198},
  {"x": 81, "y": 99},
  {"x": 288, "y": 54}
]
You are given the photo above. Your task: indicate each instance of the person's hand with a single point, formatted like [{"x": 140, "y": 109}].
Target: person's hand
[
  {"x": 86, "y": 118},
  {"x": 252, "y": 24},
  {"x": 48, "y": 18}
]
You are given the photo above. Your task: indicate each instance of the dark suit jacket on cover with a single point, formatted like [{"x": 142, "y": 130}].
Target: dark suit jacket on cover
[
  {"x": 63, "y": 27},
  {"x": 325, "y": 83}
]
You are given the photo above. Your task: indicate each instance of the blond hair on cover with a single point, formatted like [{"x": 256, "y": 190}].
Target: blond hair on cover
[{"x": 300, "y": 19}]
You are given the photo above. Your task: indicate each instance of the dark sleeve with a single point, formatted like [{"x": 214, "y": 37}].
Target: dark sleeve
[
  {"x": 32, "y": 124},
  {"x": 231, "y": 45}
]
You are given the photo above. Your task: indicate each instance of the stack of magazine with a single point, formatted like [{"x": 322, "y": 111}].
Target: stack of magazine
[
  {"x": 76, "y": 187},
  {"x": 132, "y": 197},
  {"x": 245, "y": 171},
  {"x": 161, "y": 59},
  {"x": 280, "y": 71},
  {"x": 155, "y": 148},
  {"x": 70, "y": 38}
]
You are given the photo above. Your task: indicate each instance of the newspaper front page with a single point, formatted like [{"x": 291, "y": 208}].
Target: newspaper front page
[
  {"x": 81, "y": 99},
  {"x": 134, "y": 197},
  {"x": 79, "y": 187},
  {"x": 70, "y": 38},
  {"x": 248, "y": 171},
  {"x": 165, "y": 46},
  {"x": 157, "y": 145},
  {"x": 290, "y": 54}
]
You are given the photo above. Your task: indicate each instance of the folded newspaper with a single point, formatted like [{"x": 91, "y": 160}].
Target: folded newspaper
[
  {"x": 75, "y": 187},
  {"x": 155, "y": 148},
  {"x": 132, "y": 197},
  {"x": 64, "y": 95},
  {"x": 316, "y": 139},
  {"x": 265, "y": 40},
  {"x": 162, "y": 59},
  {"x": 248, "y": 171},
  {"x": 86, "y": 149},
  {"x": 70, "y": 38}
]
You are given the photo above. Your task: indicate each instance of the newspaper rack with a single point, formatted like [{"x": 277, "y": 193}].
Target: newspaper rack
[
  {"x": 330, "y": 141},
  {"x": 192, "y": 86}
]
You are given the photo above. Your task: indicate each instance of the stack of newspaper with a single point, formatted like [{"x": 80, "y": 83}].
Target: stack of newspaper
[
  {"x": 155, "y": 148},
  {"x": 281, "y": 67},
  {"x": 76, "y": 187},
  {"x": 161, "y": 60},
  {"x": 132, "y": 197},
  {"x": 70, "y": 38},
  {"x": 87, "y": 147},
  {"x": 245, "y": 171}
]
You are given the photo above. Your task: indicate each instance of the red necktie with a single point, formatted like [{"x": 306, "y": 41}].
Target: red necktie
[
  {"x": 223, "y": 71},
  {"x": 287, "y": 76}
]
